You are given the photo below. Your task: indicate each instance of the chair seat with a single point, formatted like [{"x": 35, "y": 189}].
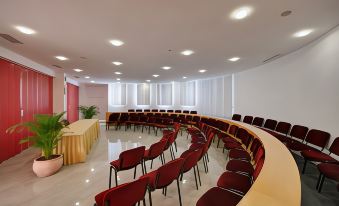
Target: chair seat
[
  {"x": 235, "y": 181},
  {"x": 195, "y": 146},
  {"x": 229, "y": 139},
  {"x": 239, "y": 154},
  {"x": 166, "y": 131},
  {"x": 116, "y": 164},
  {"x": 282, "y": 138},
  {"x": 218, "y": 197},
  {"x": 329, "y": 170},
  {"x": 198, "y": 139},
  {"x": 317, "y": 156},
  {"x": 240, "y": 166},
  {"x": 233, "y": 145},
  {"x": 298, "y": 146}
]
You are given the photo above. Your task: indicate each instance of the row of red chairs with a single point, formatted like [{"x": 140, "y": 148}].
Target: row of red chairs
[
  {"x": 163, "y": 110},
  {"x": 246, "y": 160},
  {"x": 310, "y": 143}
]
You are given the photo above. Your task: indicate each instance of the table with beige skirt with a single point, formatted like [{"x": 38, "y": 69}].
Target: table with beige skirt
[{"x": 78, "y": 140}]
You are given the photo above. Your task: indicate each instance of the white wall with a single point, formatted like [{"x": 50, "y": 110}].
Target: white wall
[
  {"x": 301, "y": 88},
  {"x": 94, "y": 94},
  {"x": 214, "y": 100}
]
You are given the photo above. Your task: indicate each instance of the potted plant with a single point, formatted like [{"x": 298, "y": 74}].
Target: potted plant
[
  {"x": 46, "y": 131},
  {"x": 88, "y": 112}
]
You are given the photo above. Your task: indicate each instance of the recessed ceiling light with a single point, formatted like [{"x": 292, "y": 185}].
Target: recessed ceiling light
[
  {"x": 117, "y": 63},
  {"x": 234, "y": 59},
  {"x": 87, "y": 77},
  {"x": 117, "y": 73},
  {"x": 187, "y": 52},
  {"x": 118, "y": 79},
  {"x": 116, "y": 42},
  {"x": 241, "y": 13},
  {"x": 78, "y": 70},
  {"x": 87, "y": 181},
  {"x": 148, "y": 80},
  {"x": 77, "y": 203},
  {"x": 202, "y": 70},
  {"x": 92, "y": 170},
  {"x": 184, "y": 77},
  {"x": 155, "y": 75},
  {"x": 92, "y": 81},
  {"x": 303, "y": 33},
  {"x": 61, "y": 58},
  {"x": 25, "y": 30},
  {"x": 166, "y": 67}
]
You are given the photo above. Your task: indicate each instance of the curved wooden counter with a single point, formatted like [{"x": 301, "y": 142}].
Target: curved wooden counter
[{"x": 279, "y": 181}]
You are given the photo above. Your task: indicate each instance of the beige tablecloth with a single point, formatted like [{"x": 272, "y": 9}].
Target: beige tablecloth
[{"x": 78, "y": 140}]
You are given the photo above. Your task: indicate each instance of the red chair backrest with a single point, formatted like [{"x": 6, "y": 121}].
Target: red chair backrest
[
  {"x": 259, "y": 154},
  {"x": 248, "y": 119},
  {"x": 132, "y": 157},
  {"x": 157, "y": 148},
  {"x": 335, "y": 146},
  {"x": 114, "y": 117},
  {"x": 318, "y": 137},
  {"x": 236, "y": 117},
  {"x": 270, "y": 124},
  {"x": 258, "y": 121},
  {"x": 233, "y": 130},
  {"x": 258, "y": 168},
  {"x": 299, "y": 132},
  {"x": 127, "y": 194},
  {"x": 191, "y": 158},
  {"x": 283, "y": 127},
  {"x": 168, "y": 172}
]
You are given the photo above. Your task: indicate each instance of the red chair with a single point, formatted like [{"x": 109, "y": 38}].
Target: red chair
[
  {"x": 217, "y": 196},
  {"x": 328, "y": 170},
  {"x": 113, "y": 120},
  {"x": 317, "y": 156},
  {"x": 238, "y": 182},
  {"x": 124, "y": 117},
  {"x": 191, "y": 161},
  {"x": 315, "y": 137},
  {"x": 258, "y": 121},
  {"x": 248, "y": 119},
  {"x": 155, "y": 150},
  {"x": 298, "y": 133},
  {"x": 165, "y": 175},
  {"x": 138, "y": 110},
  {"x": 147, "y": 110},
  {"x": 127, "y": 160},
  {"x": 236, "y": 117},
  {"x": 124, "y": 195},
  {"x": 232, "y": 143},
  {"x": 133, "y": 120},
  {"x": 281, "y": 131},
  {"x": 270, "y": 124},
  {"x": 170, "y": 138}
]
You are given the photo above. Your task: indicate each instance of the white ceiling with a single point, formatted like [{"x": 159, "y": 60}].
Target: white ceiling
[{"x": 149, "y": 28}]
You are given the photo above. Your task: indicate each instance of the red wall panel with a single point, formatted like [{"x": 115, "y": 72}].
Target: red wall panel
[
  {"x": 23, "y": 90},
  {"x": 72, "y": 102}
]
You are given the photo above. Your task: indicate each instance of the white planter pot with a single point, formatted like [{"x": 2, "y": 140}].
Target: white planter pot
[{"x": 45, "y": 168}]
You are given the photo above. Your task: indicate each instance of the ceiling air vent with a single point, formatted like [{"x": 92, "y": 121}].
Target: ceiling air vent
[
  {"x": 57, "y": 66},
  {"x": 272, "y": 58},
  {"x": 10, "y": 39}
]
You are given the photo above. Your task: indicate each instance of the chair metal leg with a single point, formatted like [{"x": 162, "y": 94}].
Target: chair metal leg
[
  {"x": 139, "y": 203},
  {"x": 144, "y": 202},
  {"x": 179, "y": 193},
  {"x": 142, "y": 168},
  {"x": 163, "y": 157},
  {"x": 198, "y": 174},
  {"x": 208, "y": 159},
  {"x": 151, "y": 164},
  {"x": 145, "y": 167},
  {"x": 150, "y": 196},
  {"x": 116, "y": 177},
  {"x": 304, "y": 167},
  {"x": 175, "y": 145},
  {"x": 318, "y": 182},
  {"x": 135, "y": 171},
  {"x": 195, "y": 177},
  {"x": 321, "y": 183},
  {"x": 110, "y": 176},
  {"x": 218, "y": 142}
]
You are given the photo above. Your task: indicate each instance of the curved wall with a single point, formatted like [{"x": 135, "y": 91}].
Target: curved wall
[{"x": 301, "y": 88}]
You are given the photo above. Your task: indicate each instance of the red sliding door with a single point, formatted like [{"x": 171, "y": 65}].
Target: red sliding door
[
  {"x": 72, "y": 102},
  {"x": 24, "y": 93}
]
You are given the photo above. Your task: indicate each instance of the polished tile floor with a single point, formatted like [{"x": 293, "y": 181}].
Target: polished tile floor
[{"x": 78, "y": 184}]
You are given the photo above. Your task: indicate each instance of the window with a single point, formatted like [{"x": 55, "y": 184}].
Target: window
[
  {"x": 187, "y": 93},
  {"x": 117, "y": 94},
  {"x": 164, "y": 94},
  {"x": 143, "y": 94}
]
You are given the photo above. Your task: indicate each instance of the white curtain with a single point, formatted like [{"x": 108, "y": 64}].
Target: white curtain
[
  {"x": 143, "y": 94},
  {"x": 117, "y": 94},
  {"x": 187, "y": 93},
  {"x": 211, "y": 96},
  {"x": 164, "y": 94}
]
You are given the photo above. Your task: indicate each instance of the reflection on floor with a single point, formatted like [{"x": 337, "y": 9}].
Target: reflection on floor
[{"x": 78, "y": 184}]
